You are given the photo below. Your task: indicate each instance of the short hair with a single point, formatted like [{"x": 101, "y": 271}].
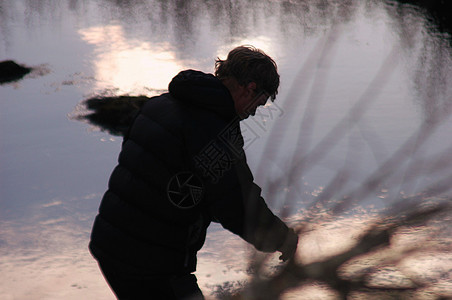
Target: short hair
[{"x": 248, "y": 64}]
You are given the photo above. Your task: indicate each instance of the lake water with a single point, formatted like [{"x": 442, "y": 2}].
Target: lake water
[{"x": 359, "y": 81}]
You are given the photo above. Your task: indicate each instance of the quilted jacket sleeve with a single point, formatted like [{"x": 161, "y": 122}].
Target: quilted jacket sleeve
[{"x": 241, "y": 209}]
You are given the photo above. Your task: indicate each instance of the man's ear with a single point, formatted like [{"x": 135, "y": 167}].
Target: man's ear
[{"x": 251, "y": 87}]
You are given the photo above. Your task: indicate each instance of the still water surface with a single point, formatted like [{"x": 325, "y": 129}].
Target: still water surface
[{"x": 332, "y": 55}]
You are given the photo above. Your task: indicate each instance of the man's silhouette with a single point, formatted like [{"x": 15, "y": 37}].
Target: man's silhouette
[{"x": 181, "y": 167}]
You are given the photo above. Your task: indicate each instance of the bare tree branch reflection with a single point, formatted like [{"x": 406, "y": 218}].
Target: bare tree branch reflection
[{"x": 333, "y": 270}]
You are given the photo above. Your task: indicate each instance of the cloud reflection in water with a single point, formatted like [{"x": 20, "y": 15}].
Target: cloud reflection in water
[{"x": 130, "y": 66}]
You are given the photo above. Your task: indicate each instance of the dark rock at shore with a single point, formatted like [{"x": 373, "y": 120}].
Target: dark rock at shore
[
  {"x": 11, "y": 71},
  {"x": 112, "y": 114}
]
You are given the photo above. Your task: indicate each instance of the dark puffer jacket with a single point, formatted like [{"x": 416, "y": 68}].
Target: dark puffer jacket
[{"x": 193, "y": 128}]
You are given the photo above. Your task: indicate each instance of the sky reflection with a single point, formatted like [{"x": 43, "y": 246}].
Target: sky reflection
[
  {"x": 53, "y": 170},
  {"x": 130, "y": 66}
]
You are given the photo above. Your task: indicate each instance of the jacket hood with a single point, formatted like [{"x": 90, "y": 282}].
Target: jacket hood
[{"x": 202, "y": 90}]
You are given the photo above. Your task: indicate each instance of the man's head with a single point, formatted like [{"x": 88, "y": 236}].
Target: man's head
[{"x": 251, "y": 76}]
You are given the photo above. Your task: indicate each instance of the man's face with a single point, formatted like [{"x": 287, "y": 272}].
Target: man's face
[
  {"x": 259, "y": 99},
  {"x": 248, "y": 100}
]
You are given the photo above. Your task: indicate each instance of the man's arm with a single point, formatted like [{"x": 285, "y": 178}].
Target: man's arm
[{"x": 244, "y": 212}]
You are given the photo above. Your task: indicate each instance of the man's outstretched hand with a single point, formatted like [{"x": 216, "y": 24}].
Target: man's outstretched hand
[{"x": 289, "y": 247}]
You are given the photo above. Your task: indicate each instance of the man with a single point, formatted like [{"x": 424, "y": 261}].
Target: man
[{"x": 182, "y": 166}]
